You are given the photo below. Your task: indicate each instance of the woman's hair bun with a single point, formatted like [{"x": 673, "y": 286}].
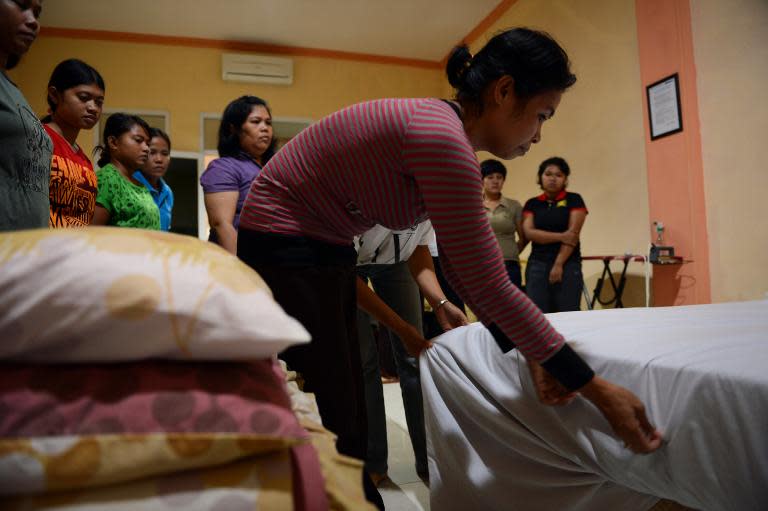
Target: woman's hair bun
[{"x": 458, "y": 63}]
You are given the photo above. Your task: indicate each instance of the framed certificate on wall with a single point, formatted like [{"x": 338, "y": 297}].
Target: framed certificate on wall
[{"x": 664, "y": 115}]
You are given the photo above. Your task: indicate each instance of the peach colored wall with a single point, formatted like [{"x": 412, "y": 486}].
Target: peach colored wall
[
  {"x": 731, "y": 51},
  {"x": 675, "y": 172}
]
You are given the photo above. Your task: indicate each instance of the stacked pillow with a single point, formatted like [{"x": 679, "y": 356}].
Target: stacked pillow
[
  {"x": 129, "y": 353},
  {"x": 109, "y": 294}
]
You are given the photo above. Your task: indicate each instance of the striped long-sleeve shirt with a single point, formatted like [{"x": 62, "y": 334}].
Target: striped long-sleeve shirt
[{"x": 396, "y": 162}]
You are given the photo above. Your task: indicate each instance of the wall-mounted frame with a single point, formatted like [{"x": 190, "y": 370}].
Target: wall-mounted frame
[{"x": 664, "y": 114}]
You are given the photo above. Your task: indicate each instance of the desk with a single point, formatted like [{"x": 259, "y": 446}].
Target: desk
[{"x": 618, "y": 288}]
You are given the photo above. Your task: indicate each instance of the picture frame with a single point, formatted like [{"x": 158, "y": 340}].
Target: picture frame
[{"x": 664, "y": 113}]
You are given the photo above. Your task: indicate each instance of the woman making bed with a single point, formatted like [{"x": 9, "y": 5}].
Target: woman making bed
[{"x": 396, "y": 162}]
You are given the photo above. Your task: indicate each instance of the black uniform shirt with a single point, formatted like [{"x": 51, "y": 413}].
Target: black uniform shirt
[{"x": 553, "y": 215}]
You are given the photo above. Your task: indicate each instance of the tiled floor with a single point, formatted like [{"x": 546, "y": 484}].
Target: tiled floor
[{"x": 404, "y": 491}]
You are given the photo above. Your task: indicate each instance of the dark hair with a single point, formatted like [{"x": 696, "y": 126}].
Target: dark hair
[
  {"x": 232, "y": 121},
  {"x": 556, "y": 161},
  {"x": 71, "y": 73},
  {"x": 532, "y": 58},
  {"x": 492, "y": 166},
  {"x": 116, "y": 125},
  {"x": 158, "y": 133}
]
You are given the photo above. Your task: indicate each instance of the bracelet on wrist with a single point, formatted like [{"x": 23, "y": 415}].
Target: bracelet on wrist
[{"x": 441, "y": 303}]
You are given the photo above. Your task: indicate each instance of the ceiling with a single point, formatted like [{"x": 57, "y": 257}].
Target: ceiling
[{"x": 412, "y": 29}]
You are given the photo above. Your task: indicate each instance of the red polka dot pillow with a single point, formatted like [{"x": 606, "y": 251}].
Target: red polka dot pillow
[
  {"x": 73, "y": 426},
  {"x": 111, "y": 294}
]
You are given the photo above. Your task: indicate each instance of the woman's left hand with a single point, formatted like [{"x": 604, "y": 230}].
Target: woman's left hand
[{"x": 556, "y": 274}]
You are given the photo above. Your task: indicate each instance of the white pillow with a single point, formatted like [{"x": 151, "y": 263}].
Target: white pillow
[{"x": 112, "y": 294}]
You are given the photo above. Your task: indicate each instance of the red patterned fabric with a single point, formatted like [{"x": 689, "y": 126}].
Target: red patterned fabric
[
  {"x": 73, "y": 184},
  {"x": 145, "y": 397}
]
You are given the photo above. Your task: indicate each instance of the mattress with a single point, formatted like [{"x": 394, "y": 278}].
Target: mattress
[{"x": 700, "y": 370}]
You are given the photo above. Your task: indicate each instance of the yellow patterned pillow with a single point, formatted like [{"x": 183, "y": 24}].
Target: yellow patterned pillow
[
  {"x": 111, "y": 294},
  {"x": 55, "y": 463}
]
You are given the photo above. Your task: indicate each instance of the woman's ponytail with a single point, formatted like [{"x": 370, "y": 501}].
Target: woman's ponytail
[
  {"x": 458, "y": 63},
  {"x": 103, "y": 153}
]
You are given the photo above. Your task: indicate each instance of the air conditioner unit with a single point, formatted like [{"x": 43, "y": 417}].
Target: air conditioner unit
[{"x": 256, "y": 69}]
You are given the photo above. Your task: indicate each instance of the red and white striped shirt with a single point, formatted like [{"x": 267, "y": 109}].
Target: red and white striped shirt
[{"x": 396, "y": 162}]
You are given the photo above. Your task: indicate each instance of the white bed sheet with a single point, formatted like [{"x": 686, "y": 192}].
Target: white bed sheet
[{"x": 702, "y": 372}]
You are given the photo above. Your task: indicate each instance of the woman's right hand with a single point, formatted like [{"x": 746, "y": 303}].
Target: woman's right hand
[
  {"x": 413, "y": 341},
  {"x": 548, "y": 389},
  {"x": 625, "y": 413}
]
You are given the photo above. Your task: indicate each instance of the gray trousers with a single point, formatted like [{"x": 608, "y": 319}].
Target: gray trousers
[{"x": 394, "y": 284}]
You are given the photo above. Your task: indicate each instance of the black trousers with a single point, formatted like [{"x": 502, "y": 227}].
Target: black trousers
[
  {"x": 315, "y": 283},
  {"x": 561, "y": 297}
]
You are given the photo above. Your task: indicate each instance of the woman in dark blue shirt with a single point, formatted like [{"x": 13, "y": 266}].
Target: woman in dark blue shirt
[{"x": 553, "y": 221}]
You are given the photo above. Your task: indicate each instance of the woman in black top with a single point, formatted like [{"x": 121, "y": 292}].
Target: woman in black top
[{"x": 552, "y": 221}]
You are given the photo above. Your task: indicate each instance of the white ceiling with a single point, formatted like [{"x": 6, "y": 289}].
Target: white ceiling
[{"x": 415, "y": 29}]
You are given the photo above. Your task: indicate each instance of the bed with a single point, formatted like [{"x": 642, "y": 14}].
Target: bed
[
  {"x": 700, "y": 370},
  {"x": 138, "y": 371}
]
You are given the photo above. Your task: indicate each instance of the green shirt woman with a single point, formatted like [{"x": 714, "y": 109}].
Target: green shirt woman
[{"x": 121, "y": 200}]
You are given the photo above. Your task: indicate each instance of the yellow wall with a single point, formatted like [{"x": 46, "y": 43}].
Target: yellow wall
[
  {"x": 731, "y": 51},
  {"x": 187, "y": 82},
  {"x": 598, "y": 128}
]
